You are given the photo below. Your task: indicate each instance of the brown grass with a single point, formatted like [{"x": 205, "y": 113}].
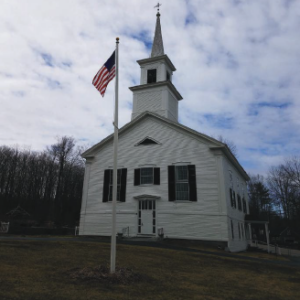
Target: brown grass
[{"x": 41, "y": 270}]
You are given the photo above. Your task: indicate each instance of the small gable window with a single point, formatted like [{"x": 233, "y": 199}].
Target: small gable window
[
  {"x": 147, "y": 141},
  {"x": 147, "y": 176},
  {"x": 151, "y": 76}
]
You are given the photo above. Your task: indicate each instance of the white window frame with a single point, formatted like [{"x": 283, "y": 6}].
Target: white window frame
[
  {"x": 182, "y": 181},
  {"x": 110, "y": 186},
  {"x": 144, "y": 176}
]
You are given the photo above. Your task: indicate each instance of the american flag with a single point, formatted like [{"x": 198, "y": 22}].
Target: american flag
[{"x": 105, "y": 75}]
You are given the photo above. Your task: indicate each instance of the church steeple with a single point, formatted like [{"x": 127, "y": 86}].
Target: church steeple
[
  {"x": 157, "y": 46},
  {"x": 156, "y": 92}
]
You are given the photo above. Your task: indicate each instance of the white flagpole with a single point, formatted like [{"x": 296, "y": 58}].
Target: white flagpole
[{"x": 115, "y": 170}]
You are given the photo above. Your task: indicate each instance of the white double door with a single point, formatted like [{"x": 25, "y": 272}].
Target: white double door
[{"x": 147, "y": 211}]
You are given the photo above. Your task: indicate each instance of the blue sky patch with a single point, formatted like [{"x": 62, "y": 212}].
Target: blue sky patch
[
  {"x": 48, "y": 59},
  {"x": 143, "y": 36},
  {"x": 67, "y": 64},
  {"x": 219, "y": 121},
  {"x": 190, "y": 19},
  {"x": 253, "y": 110},
  {"x": 273, "y": 105},
  {"x": 54, "y": 84},
  {"x": 19, "y": 93}
]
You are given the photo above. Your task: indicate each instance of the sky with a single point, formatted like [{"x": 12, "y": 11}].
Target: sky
[{"x": 237, "y": 69}]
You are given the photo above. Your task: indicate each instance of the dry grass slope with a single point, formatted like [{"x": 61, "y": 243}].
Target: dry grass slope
[{"x": 41, "y": 270}]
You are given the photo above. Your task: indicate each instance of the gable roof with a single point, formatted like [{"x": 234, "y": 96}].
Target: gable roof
[{"x": 215, "y": 145}]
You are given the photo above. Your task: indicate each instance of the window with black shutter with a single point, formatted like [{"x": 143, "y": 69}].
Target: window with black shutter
[
  {"x": 108, "y": 185},
  {"x": 233, "y": 197},
  {"x": 239, "y": 202},
  {"x": 146, "y": 176},
  {"x": 107, "y": 175},
  {"x": 192, "y": 183},
  {"x": 244, "y": 206},
  {"x": 182, "y": 183},
  {"x": 171, "y": 183}
]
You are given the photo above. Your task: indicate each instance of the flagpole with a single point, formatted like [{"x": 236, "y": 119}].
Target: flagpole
[{"x": 115, "y": 170}]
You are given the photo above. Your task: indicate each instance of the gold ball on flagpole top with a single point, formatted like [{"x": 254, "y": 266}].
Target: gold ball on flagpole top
[{"x": 117, "y": 40}]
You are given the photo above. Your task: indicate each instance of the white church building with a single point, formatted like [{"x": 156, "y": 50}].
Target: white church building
[{"x": 171, "y": 178}]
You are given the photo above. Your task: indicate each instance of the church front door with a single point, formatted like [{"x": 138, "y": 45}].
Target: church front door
[{"x": 146, "y": 222}]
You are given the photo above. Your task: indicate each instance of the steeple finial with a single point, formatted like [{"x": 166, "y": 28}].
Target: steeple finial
[
  {"x": 157, "y": 46},
  {"x": 157, "y": 5}
]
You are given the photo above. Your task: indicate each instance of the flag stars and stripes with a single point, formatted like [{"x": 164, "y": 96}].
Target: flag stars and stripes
[{"x": 105, "y": 75}]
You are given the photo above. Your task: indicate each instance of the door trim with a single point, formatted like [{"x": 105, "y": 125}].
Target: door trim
[{"x": 148, "y": 205}]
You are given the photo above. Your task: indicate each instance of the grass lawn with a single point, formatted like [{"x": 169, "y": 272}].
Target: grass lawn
[{"x": 41, "y": 270}]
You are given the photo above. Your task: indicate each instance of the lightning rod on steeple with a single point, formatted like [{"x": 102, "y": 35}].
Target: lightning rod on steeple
[{"x": 157, "y": 5}]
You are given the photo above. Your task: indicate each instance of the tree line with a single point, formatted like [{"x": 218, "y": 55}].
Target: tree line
[
  {"x": 47, "y": 184},
  {"x": 276, "y": 198}
]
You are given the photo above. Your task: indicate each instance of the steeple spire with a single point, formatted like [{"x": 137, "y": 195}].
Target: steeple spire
[{"x": 157, "y": 46}]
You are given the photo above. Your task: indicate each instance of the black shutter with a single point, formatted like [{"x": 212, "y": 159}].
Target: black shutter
[
  {"x": 137, "y": 176},
  {"x": 171, "y": 183},
  {"x": 230, "y": 191},
  {"x": 106, "y": 185},
  {"x": 157, "y": 176},
  {"x": 123, "y": 185},
  {"x": 234, "y": 201},
  {"x": 192, "y": 182}
]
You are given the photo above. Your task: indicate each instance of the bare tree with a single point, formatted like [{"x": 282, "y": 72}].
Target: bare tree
[
  {"x": 284, "y": 191},
  {"x": 47, "y": 184},
  {"x": 230, "y": 144},
  {"x": 260, "y": 203}
]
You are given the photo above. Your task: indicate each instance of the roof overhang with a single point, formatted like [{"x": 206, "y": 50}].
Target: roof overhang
[
  {"x": 166, "y": 83},
  {"x": 225, "y": 150},
  {"x": 164, "y": 57}
]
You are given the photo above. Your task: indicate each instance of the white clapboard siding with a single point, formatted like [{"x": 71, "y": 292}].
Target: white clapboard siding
[
  {"x": 237, "y": 243},
  {"x": 204, "y": 219},
  {"x": 159, "y": 100}
]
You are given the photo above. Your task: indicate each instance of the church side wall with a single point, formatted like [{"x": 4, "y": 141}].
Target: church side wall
[
  {"x": 195, "y": 220},
  {"x": 233, "y": 179}
]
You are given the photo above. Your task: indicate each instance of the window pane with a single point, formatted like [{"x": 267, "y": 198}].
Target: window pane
[
  {"x": 147, "y": 176},
  {"x": 118, "y": 176},
  {"x": 182, "y": 191},
  {"x": 181, "y": 173}
]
